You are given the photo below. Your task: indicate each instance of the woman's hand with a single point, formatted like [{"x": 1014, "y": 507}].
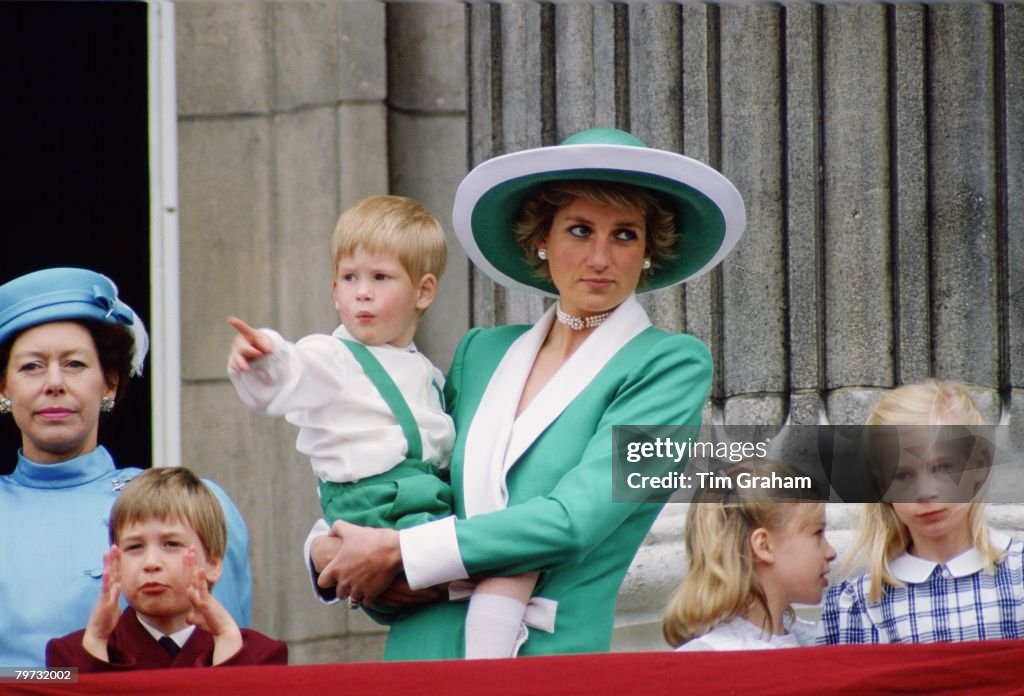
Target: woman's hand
[
  {"x": 399, "y": 594},
  {"x": 366, "y": 563}
]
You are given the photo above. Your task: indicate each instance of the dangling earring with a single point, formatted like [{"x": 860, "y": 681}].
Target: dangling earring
[
  {"x": 106, "y": 404},
  {"x": 5, "y": 407},
  {"x": 647, "y": 264},
  {"x": 542, "y": 254}
]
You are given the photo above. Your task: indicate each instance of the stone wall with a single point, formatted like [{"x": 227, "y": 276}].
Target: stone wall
[
  {"x": 879, "y": 149},
  {"x": 288, "y": 112}
]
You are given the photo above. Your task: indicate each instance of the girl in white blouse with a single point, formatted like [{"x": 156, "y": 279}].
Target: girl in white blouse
[{"x": 749, "y": 559}]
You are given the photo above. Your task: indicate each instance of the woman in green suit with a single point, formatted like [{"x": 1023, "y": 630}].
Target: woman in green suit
[{"x": 589, "y": 222}]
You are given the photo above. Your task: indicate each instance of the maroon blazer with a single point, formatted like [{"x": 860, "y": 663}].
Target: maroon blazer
[{"x": 131, "y": 647}]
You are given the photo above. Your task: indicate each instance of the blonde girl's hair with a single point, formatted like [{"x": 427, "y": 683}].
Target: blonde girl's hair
[
  {"x": 721, "y": 580},
  {"x": 881, "y": 536},
  {"x": 172, "y": 493},
  {"x": 392, "y": 225}
]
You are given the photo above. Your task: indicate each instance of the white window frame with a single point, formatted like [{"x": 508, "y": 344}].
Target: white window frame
[{"x": 165, "y": 326}]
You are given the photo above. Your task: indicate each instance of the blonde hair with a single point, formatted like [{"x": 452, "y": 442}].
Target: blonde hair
[
  {"x": 172, "y": 493},
  {"x": 721, "y": 580},
  {"x": 881, "y": 536},
  {"x": 392, "y": 225},
  {"x": 537, "y": 213}
]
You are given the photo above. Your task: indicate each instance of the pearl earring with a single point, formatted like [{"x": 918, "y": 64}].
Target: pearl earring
[
  {"x": 106, "y": 404},
  {"x": 647, "y": 264},
  {"x": 542, "y": 254}
]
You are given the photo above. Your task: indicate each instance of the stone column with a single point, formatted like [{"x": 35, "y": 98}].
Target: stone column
[{"x": 282, "y": 123}]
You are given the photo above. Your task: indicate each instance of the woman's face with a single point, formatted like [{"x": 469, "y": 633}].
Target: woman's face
[
  {"x": 595, "y": 255},
  {"x": 55, "y": 382}
]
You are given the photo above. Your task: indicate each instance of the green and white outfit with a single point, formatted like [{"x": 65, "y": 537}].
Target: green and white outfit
[
  {"x": 371, "y": 419},
  {"x": 552, "y": 467},
  {"x": 533, "y": 492}
]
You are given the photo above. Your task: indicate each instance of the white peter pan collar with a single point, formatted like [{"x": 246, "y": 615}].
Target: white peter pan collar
[
  {"x": 180, "y": 637},
  {"x": 342, "y": 332},
  {"x": 914, "y": 570},
  {"x": 748, "y": 632}
]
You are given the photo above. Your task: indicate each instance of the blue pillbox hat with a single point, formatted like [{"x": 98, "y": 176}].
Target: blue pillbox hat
[{"x": 63, "y": 294}]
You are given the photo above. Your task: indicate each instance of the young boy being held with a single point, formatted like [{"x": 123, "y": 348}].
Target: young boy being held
[
  {"x": 168, "y": 537},
  {"x": 368, "y": 404}
]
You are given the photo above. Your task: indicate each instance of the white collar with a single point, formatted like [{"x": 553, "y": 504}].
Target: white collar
[
  {"x": 342, "y": 332},
  {"x": 497, "y": 438},
  {"x": 744, "y": 630},
  {"x": 179, "y": 637},
  {"x": 914, "y": 570},
  {"x": 742, "y": 626}
]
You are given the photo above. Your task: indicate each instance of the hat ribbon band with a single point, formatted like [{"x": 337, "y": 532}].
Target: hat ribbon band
[
  {"x": 108, "y": 301},
  {"x": 99, "y": 297}
]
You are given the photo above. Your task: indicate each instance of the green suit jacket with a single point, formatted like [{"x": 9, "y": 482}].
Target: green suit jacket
[{"x": 560, "y": 518}]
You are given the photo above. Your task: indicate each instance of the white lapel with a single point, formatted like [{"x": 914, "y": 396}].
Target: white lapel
[
  {"x": 487, "y": 440},
  {"x": 498, "y": 439}
]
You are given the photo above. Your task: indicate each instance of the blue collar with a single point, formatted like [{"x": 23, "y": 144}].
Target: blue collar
[{"x": 68, "y": 474}]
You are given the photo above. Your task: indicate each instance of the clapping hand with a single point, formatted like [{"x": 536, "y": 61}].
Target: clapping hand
[
  {"x": 106, "y": 611},
  {"x": 209, "y": 614}
]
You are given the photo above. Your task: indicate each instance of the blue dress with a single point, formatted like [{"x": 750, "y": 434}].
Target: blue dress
[{"x": 53, "y": 533}]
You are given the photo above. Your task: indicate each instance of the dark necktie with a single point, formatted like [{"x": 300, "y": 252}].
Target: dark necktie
[{"x": 169, "y": 645}]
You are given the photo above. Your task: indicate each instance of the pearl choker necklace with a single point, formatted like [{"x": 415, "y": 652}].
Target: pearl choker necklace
[{"x": 579, "y": 323}]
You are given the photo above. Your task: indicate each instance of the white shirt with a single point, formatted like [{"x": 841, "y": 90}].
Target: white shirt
[
  {"x": 179, "y": 637},
  {"x": 739, "y": 634},
  {"x": 345, "y": 427}
]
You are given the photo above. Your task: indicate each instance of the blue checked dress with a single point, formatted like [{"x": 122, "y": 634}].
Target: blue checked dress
[{"x": 955, "y": 601}]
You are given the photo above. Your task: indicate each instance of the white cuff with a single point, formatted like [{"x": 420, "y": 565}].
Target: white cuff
[
  {"x": 430, "y": 554},
  {"x": 319, "y": 529},
  {"x": 266, "y": 377}
]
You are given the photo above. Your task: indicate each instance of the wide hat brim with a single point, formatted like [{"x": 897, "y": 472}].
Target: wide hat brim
[{"x": 709, "y": 210}]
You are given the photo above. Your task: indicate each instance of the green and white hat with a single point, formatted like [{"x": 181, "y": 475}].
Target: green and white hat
[{"x": 710, "y": 216}]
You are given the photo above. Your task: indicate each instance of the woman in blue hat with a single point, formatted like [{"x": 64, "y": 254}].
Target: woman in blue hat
[
  {"x": 68, "y": 348},
  {"x": 590, "y": 223}
]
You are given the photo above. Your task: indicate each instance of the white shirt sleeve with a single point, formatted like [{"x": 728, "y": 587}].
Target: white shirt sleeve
[
  {"x": 345, "y": 427},
  {"x": 294, "y": 376},
  {"x": 430, "y": 554}
]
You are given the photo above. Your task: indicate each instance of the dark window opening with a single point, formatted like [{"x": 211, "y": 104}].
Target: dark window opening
[{"x": 74, "y": 150}]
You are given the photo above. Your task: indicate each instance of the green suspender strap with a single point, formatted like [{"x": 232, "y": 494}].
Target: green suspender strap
[{"x": 392, "y": 396}]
